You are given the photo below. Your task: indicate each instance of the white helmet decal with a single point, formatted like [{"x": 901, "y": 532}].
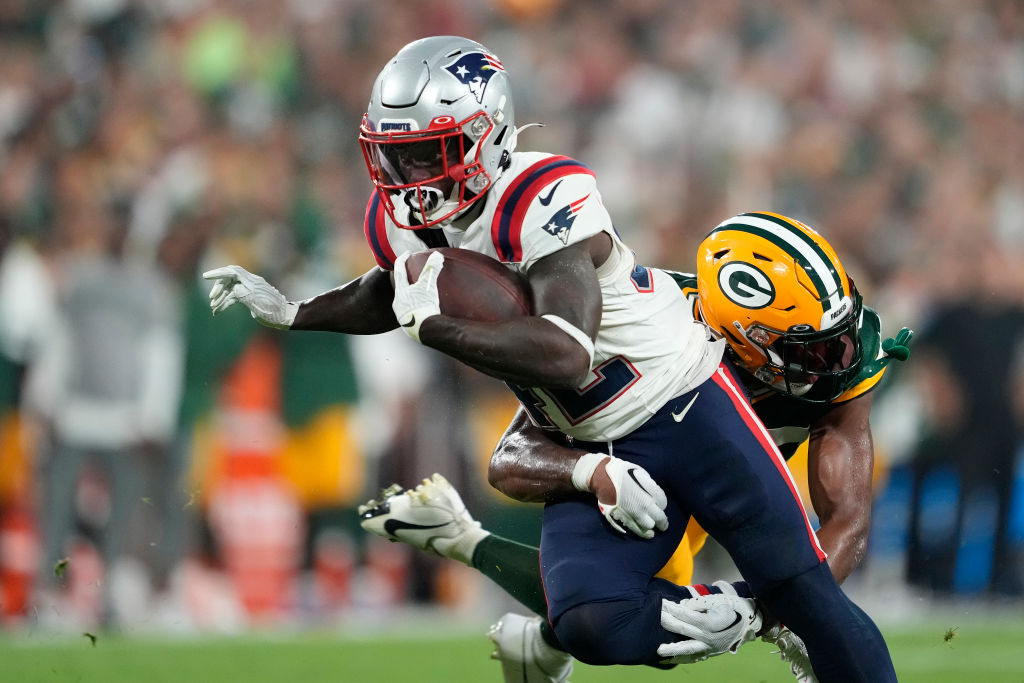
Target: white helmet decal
[
  {"x": 746, "y": 285},
  {"x": 475, "y": 69}
]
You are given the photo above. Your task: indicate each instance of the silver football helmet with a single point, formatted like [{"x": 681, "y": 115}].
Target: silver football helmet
[{"x": 439, "y": 129}]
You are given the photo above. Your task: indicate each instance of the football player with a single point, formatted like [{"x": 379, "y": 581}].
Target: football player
[
  {"x": 749, "y": 289},
  {"x": 610, "y": 354}
]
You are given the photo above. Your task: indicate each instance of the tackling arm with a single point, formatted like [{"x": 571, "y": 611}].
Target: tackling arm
[
  {"x": 533, "y": 351},
  {"x": 839, "y": 467},
  {"x": 529, "y": 466}
]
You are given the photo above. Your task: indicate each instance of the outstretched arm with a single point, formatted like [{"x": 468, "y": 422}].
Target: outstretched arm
[
  {"x": 363, "y": 306},
  {"x": 839, "y": 467}
]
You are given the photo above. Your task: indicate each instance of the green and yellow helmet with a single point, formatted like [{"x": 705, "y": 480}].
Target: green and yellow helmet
[{"x": 780, "y": 296}]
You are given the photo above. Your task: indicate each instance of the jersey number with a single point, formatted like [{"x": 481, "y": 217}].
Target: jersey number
[{"x": 614, "y": 377}]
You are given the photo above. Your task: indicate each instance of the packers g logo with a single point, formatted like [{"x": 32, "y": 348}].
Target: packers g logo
[{"x": 746, "y": 285}]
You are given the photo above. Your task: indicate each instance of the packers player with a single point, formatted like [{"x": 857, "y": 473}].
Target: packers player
[{"x": 808, "y": 362}]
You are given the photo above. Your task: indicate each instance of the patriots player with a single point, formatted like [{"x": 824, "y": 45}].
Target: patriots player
[
  {"x": 611, "y": 353},
  {"x": 807, "y": 379}
]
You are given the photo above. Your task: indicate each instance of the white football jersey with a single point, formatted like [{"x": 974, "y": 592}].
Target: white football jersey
[{"x": 649, "y": 348}]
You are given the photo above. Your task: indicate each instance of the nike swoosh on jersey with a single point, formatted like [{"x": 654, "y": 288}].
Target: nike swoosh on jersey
[
  {"x": 393, "y": 526},
  {"x": 678, "y": 417},
  {"x": 412, "y": 321},
  {"x": 551, "y": 195}
]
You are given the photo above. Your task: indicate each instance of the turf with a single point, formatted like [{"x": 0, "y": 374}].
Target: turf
[{"x": 992, "y": 653}]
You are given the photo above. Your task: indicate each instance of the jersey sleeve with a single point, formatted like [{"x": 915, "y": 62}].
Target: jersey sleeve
[
  {"x": 551, "y": 205},
  {"x": 375, "y": 229}
]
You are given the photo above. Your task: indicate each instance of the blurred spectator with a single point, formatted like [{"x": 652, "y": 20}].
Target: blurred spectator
[
  {"x": 970, "y": 360},
  {"x": 106, "y": 387}
]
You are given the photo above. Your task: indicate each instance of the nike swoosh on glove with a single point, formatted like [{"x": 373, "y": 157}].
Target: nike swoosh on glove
[
  {"x": 639, "y": 504},
  {"x": 712, "y": 625},
  {"x": 418, "y": 301},
  {"x": 266, "y": 304}
]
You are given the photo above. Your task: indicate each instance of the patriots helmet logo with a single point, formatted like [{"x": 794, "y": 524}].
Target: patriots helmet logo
[
  {"x": 560, "y": 224},
  {"x": 474, "y": 70}
]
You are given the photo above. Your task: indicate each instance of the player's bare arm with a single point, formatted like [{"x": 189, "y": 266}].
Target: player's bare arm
[
  {"x": 529, "y": 466},
  {"x": 363, "y": 306},
  {"x": 839, "y": 467},
  {"x": 533, "y": 351}
]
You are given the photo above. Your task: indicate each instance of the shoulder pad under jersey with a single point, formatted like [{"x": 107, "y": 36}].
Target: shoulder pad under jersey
[
  {"x": 531, "y": 199},
  {"x": 870, "y": 346}
]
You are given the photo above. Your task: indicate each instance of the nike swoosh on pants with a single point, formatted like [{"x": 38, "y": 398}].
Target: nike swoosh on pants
[{"x": 678, "y": 417}]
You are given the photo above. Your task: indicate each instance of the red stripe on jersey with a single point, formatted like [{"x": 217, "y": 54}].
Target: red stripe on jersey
[
  {"x": 701, "y": 589},
  {"x": 377, "y": 234},
  {"x": 724, "y": 379},
  {"x": 507, "y": 224}
]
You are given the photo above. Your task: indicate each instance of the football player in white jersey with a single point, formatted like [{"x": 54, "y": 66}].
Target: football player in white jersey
[{"x": 611, "y": 353}]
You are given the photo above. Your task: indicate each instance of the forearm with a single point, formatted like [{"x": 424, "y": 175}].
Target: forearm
[
  {"x": 363, "y": 306},
  {"x": 845, "y": 540},
  {"x": 529, "y": 351},
  {"x": 530, "y": 466},
  {"x": 839, "y": 467}
]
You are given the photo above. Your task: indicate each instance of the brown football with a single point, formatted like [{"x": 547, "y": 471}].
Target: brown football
[{"x": 474, "y": 286}]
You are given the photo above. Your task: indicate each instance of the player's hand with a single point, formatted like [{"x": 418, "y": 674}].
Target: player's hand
[
  {"x": 418, "y": 301},
  {"x": 265, "y": 303},
  {"x": 626, "y": 494},
  {"x": 712, "y": 625},
  {"x": 893, "y": 348},
  {"x": 898, "y": 347}
]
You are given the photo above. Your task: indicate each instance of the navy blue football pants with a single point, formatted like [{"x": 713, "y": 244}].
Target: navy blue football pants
[{"x": 718, "y": 464}]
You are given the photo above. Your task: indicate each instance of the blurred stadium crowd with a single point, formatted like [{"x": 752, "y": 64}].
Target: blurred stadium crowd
[{"x": 161, "y": 467}]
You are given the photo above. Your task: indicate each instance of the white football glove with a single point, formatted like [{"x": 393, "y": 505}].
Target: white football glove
[
  {"x": 265, "y": 303},
  {"x": 714, "y": 625},
  {"x": 793, "y": 650},
  {"x": 418, "y": 301},
  {"x": 639, "y": 503}
]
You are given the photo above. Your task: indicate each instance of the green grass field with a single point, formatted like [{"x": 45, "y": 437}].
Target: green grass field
[{"x": 979, "y": 653}]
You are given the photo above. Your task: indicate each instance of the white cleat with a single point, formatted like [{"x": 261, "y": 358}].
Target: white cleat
[
  {"x": 431, "y": 517},
  {"x": 792, "y": 650},
  {"x": 524, "y": 656}
]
